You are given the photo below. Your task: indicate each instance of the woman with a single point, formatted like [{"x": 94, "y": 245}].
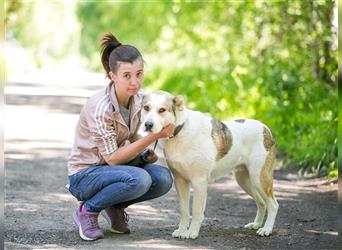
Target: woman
[{"x": 100, "y": 168}]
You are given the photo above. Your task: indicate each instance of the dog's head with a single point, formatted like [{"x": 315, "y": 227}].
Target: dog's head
[{"x": 159, "y": 110}]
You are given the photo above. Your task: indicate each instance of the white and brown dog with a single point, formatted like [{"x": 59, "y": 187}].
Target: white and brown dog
[{"x": 204, "y": 149}]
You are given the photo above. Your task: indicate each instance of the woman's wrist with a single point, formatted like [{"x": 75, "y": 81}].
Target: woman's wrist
[{"x": 153, "y": 136}]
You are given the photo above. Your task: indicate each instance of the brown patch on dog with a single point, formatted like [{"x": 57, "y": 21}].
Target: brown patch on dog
[
  {"x": 167, "y": 104},
  {"x": 268, "y": 139},
  {"x": 222, "y": 138},
  {"x": 240, "y": 120},
  {"x": 266, "y": 175},
  {"x": 178, "y": 102}
]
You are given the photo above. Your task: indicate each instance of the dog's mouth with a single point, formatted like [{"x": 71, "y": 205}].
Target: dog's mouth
[{"x": 148, "y": 130}]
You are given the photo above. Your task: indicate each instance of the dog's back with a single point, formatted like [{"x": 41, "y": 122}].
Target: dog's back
[
  {"x": 217, "y": 147},
  {"x": 246, "y": 142}
]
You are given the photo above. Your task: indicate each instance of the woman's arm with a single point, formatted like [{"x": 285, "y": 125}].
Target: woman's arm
[
  {"x": 128, "y": 152},
  {"x": 100, "y": 124}
]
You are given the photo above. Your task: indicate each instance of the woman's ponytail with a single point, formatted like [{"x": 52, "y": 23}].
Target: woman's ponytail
[
  {"x": 112, "y": 52},
  {"x": 108, "y": 44}
]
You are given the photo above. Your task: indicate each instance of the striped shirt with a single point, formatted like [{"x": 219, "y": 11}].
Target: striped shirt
[{"x": 101, "y": 130}]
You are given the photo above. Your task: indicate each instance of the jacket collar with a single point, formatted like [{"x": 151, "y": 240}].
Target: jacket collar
[{"x": 135, "y": 101}]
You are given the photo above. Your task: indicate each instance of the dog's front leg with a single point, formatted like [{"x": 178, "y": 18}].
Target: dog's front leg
[
  {"x": 199, "y": 202},
  {"x": 183, "y": 189}
]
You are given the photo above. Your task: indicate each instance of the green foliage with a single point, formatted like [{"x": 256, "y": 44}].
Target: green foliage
[
  {"x": 49, "y": 30},
  {"x": 130, "y": 21},
  {"x": 280, "y": 68},
  {"x": 275, "y": 61},
  {"x": 11, "y": 7}
]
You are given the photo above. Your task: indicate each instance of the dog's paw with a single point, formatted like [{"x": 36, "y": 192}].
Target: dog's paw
[
  {"x": 193, "y": 234},
  {"x": 179, "y": 233},
  {"x": 264, "y": 231},
  {"x": 185, "y": 235},
  {"x": 253, "y": 225}
]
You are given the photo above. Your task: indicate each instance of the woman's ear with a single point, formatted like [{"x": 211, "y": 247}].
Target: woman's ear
[
  {"x": 178, "y": 103},
  {"x": 112, "y": 76}
]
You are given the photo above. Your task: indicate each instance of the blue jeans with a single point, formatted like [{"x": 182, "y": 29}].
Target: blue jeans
[{"x": 119, "y": 186}]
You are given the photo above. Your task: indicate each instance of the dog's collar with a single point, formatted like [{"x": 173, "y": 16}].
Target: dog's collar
[{"x": 177, "y": 130}]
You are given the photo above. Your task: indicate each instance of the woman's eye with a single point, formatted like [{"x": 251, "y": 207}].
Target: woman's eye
[
  {"x": 146, "y": 108},
  {"x": 126, "y": 76},
  {"x": 140, "y": 74},
  {"x": 162, "y": 110}
]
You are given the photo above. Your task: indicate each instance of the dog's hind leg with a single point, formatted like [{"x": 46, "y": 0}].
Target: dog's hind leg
[
  {"x": 183, "y": 192},
  {"x": 272, "y": 209},
  {"x": 262, "y": 181},
  {"x": 266, "y": 180},
  {"x": 199, "y": 203},
  {"x": 242, "y": 178}
]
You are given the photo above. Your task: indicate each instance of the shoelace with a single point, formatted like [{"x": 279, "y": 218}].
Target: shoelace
[
  {"x": 126, "y": 216},
  {"x": 92, "y": 221}
]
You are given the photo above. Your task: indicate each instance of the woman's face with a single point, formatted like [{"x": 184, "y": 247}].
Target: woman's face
[{"x": 128, "y": 78}]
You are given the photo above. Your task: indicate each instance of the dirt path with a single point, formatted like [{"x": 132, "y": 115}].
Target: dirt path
[{"x": 40, "y": 123}]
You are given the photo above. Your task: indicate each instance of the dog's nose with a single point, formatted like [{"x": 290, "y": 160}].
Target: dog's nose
[{"x": 148, "y": 126}]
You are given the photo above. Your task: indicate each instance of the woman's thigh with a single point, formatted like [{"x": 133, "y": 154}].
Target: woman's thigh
[
  {"x": 161, "y": 184},
  {"x": 160, "y": 176},
  {"x": 86, "y": 183}
]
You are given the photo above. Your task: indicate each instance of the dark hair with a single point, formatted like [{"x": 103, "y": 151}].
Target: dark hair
[{"x": 112, "y": 52}]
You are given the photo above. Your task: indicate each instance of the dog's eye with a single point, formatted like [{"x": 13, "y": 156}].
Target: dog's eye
[
  {"x": 161, "y": 110},
  {"x": 146, "y": 108}
]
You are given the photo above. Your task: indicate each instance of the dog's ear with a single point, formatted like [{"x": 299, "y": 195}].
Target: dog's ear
[{"x": 178, "y": 103}]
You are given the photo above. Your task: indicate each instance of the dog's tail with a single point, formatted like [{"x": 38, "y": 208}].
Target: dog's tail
[{"x": 267, "y": 172}]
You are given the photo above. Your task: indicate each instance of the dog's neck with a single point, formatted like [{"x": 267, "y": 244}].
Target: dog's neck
[{"x": 181, "y": 118}]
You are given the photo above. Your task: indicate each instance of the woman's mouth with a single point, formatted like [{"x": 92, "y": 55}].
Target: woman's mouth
[{"x": 133, "y": 90}]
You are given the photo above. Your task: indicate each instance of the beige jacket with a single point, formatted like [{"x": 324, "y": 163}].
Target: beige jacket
[{"x": 101, "y": 130}]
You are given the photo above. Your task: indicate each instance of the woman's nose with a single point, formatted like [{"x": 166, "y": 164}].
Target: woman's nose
[{"x": 135, "y": 81}]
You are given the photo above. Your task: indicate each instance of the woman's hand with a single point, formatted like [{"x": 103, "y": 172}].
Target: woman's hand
[
  {"x": 166, "y": 131},
  {"x": 129, "y": 151}
]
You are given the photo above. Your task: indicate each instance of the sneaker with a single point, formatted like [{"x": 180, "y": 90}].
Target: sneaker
[
  {"x": 87, "y": 223},
  {"x": 117, "y": 218}
]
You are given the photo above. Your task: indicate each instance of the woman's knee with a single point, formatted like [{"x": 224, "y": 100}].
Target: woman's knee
[
  {"x": 166, "y": 181},
  {"x": 140, "y": 181},
  {"x": 161, "y": 178}
]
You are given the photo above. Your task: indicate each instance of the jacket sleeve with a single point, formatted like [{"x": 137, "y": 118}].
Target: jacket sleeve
[{"x": 102, "y": 130}]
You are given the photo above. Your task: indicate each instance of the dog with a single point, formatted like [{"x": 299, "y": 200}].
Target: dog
[{"x": 203, "y": 149}]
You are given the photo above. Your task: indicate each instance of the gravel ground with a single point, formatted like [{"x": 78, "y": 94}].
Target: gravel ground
[{"x": 40, "y": 124}]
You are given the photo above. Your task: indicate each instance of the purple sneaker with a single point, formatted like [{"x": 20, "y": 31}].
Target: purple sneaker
[
  {"x": 117, "y": 218},
  {"x": 87, "y": 223}
]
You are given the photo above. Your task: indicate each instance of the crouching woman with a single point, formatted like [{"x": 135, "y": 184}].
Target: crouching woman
[{"x": 106, "y": 171}]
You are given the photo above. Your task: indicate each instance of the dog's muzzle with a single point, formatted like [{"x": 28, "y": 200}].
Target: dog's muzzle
[{"x": 148, "y": 126}]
